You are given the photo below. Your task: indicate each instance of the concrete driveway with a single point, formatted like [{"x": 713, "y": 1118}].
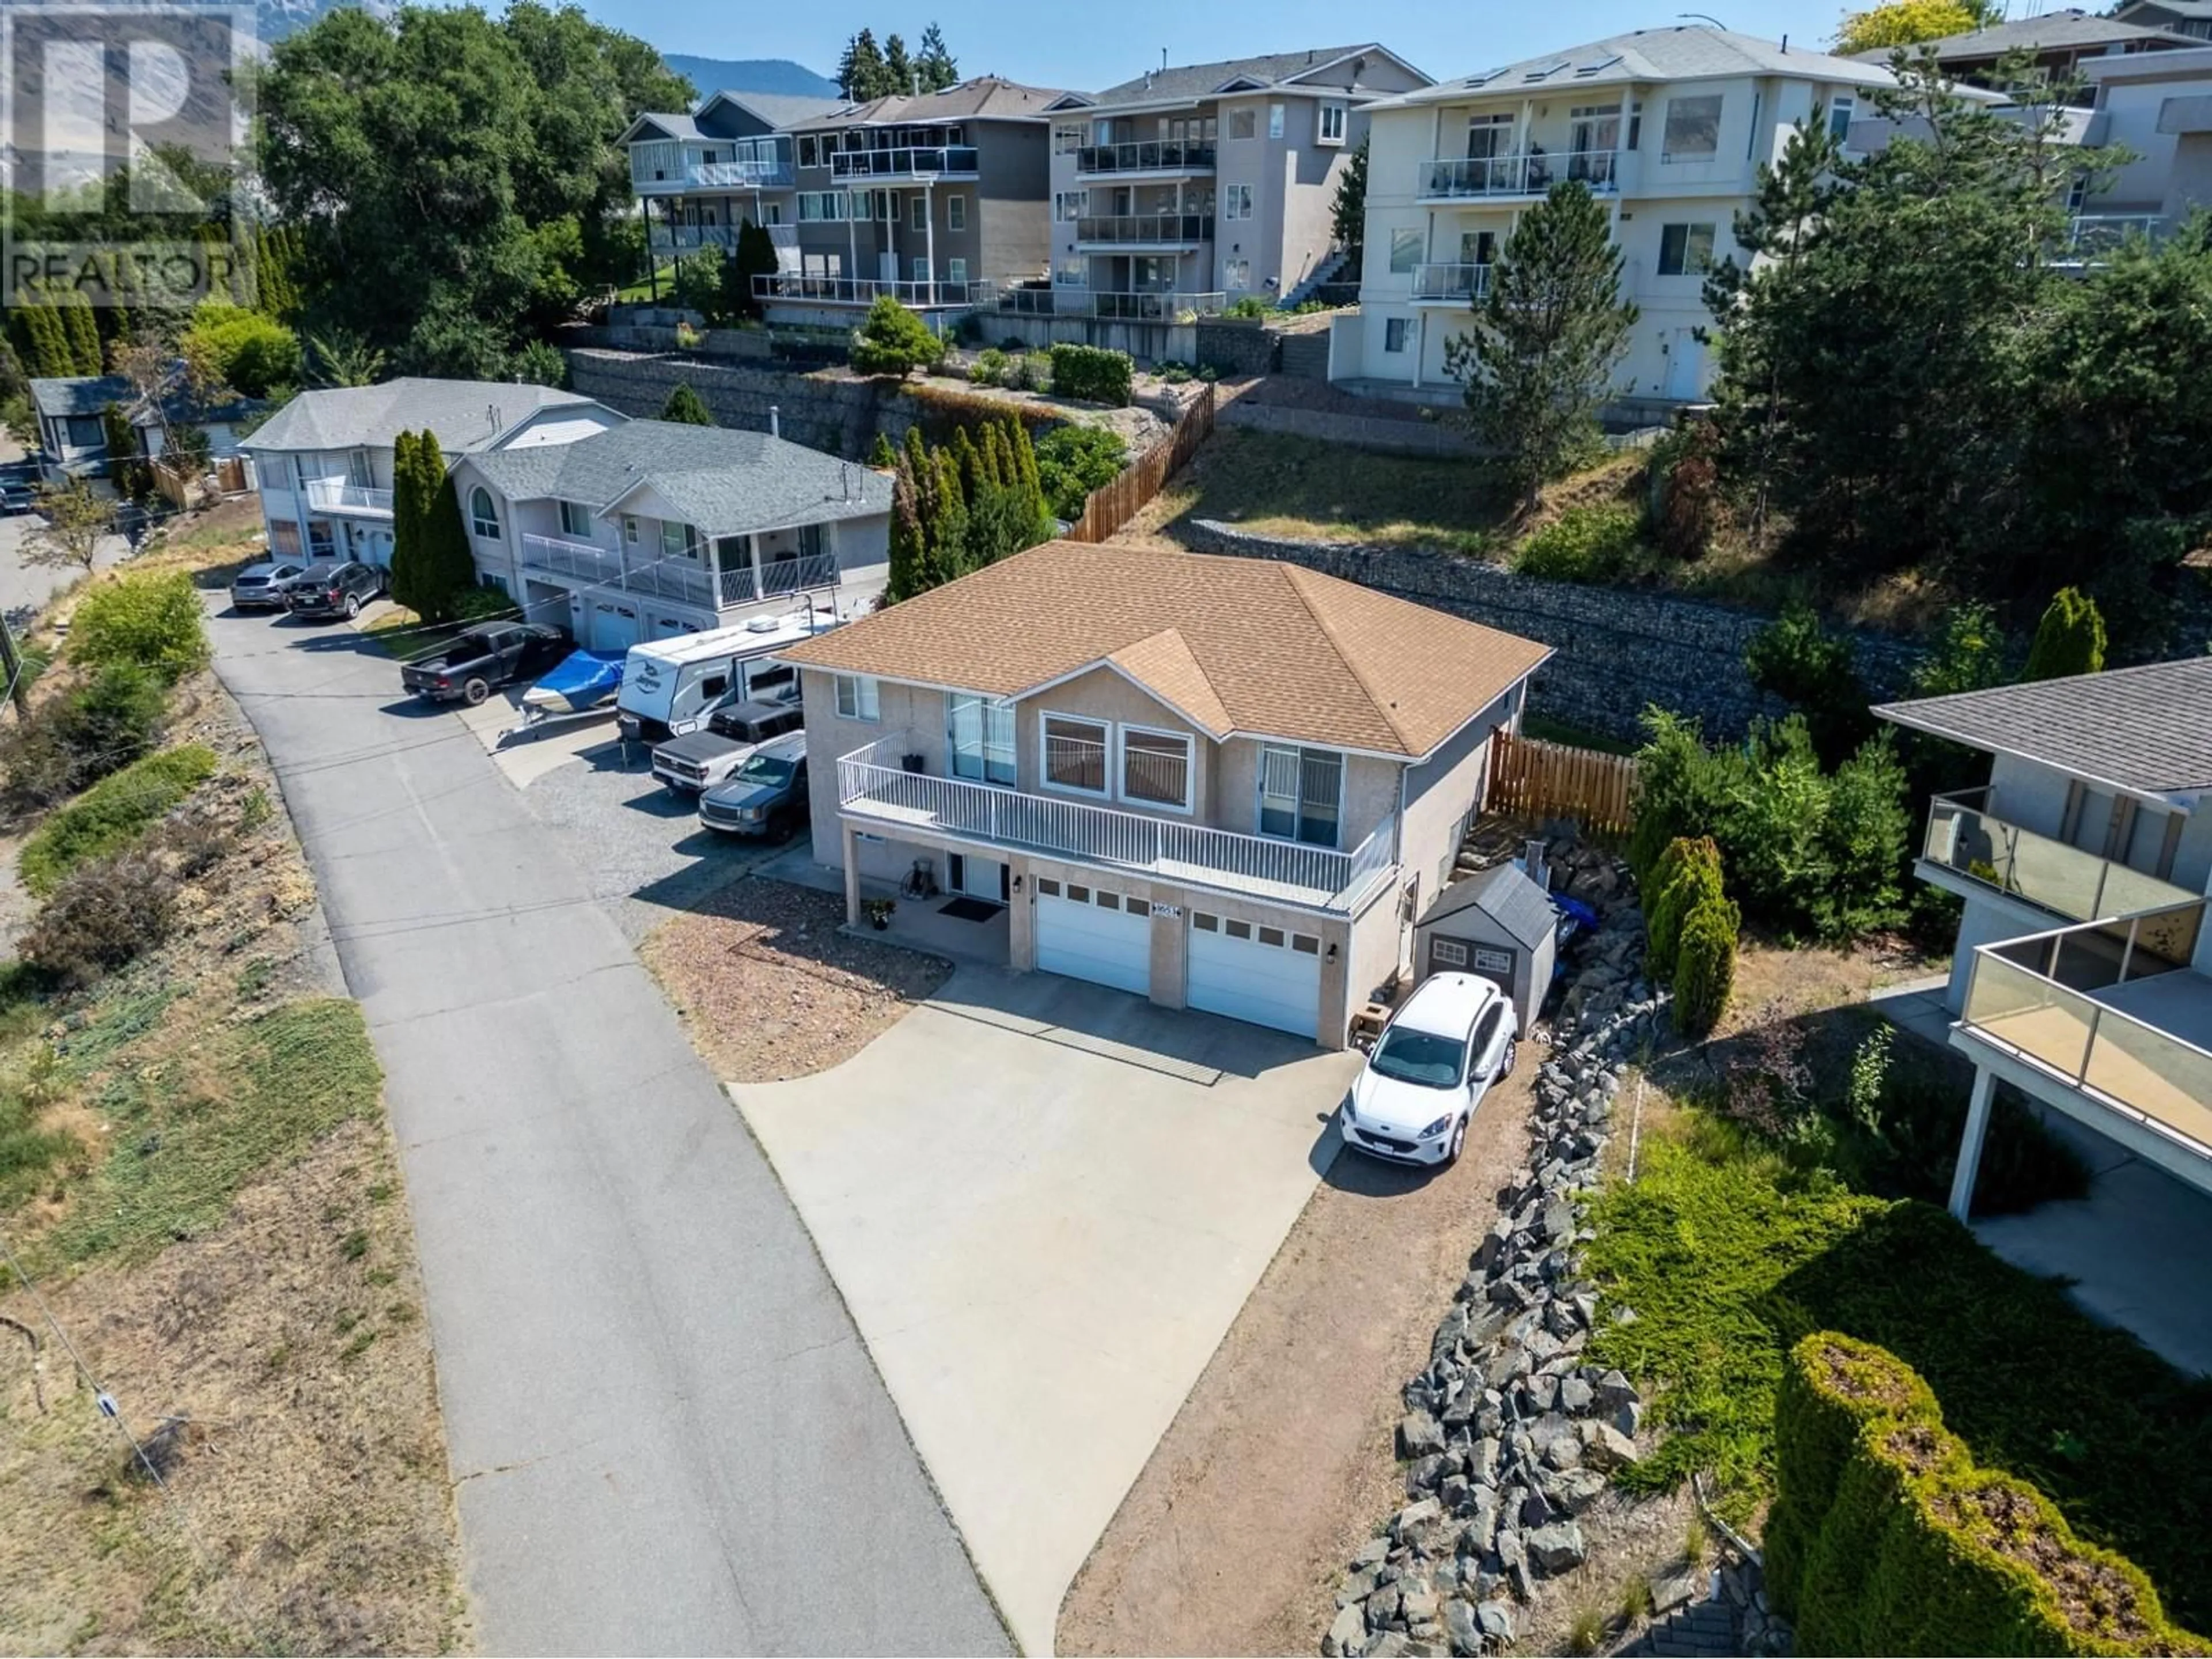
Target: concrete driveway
[{"x": 1044, "y": 1203}]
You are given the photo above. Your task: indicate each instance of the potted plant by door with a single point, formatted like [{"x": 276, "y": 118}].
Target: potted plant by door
[{"x": 879, "y": 912}]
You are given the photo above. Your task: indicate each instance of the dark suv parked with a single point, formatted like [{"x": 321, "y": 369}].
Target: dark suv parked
[{"x": 334, "y": 590}]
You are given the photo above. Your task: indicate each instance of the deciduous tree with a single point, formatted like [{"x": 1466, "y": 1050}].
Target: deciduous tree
[
  {"x": 75, "y": 522},
  {"x": 1909, "y": 22}
]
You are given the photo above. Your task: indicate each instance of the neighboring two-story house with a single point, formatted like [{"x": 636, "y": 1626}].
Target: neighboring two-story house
[
  {"x": 2157, "y": 106},
  {"x": 1220, "y": 783},
  {"x": 1184, "y": 188},
  {"x": 2061, "y": 44},
  {"x": 2083, "y": 973},
  {"x": 698, "y": 176},
  {"x": 323, "y": 461},
  {"x": 73, "y": 434},
  {"x": 2190, "y": 17},
  {"x": 649, "y": 528},
  {"x": 1667, "y": 126},
  {"x": 929, "y": 199}
]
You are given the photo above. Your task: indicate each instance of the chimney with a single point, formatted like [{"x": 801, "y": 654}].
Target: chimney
[{"x": 774, "y": 421}]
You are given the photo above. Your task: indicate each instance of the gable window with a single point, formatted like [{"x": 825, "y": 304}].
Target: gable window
[
  {"x": 1405, "y": 250},
  {"x": 86, "y": 432},
  {"x": 1243, "y": 123},
  {"x": 1274, "y": 120},
  {"x": 956, "y": 213},
  {"x": 1156, "y": 768},
  {"x": 1841, "y": 113},
  {"x": 575, "y": 518},
  {"x": 1237, "y": 202},
  {"x": 484, "y": 518},
  {"x": 629, "y": 530},
  {"x": 1394, "y": 331},
  {"x": 1301, "y": 794},
  {"x": 1693, "y": 128},
  {"x": 858, "y": 697},
  {"x": 1332, "y": 124},
  {"x": 1075, "y": 754},
  {"x": 1686, "y": 249},
  {"x": 980, "y": 738}
]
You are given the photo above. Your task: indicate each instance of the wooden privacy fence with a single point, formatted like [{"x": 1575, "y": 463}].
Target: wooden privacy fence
[
  {"x": 1113, "y": 505},
  {"x": 1535, "y": 779}
]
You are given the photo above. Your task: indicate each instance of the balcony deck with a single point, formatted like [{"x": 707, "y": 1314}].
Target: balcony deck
[
  {"x": 1970, "y": 848},
  {"x": 349, "y": 500},
  {"x": 1147, "y": 158},
  {"x": 1520, "y": 177},
  {"x": 918, "y": 164},
  {"x": 863, "y": 291},
  {"x": 1139, "y": 232}
]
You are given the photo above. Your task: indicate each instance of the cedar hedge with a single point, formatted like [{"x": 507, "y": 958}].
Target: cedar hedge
[
  {"x": 1705, "y": 966},
  {"x": 1687, "y": 873},
  {"x": 1885, "y": 1538},
  {"x": 1091, "y": 375}
]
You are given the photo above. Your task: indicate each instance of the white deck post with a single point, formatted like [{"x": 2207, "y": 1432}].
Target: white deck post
[
  {"x": 852, "y": 851},
  {"x": 1970, "y": 1145}
]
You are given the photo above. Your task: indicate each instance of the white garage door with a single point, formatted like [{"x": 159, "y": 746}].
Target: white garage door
[
  {"x": 1262, "y": 974},
  {"x": 613, "y": 627},
  {"x": 1095, "y": 934}
]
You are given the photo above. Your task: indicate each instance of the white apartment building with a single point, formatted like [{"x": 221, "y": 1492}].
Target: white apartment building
[
  {"x": 1667, "y": 126},
  {"x": 2158, "y": 107}
]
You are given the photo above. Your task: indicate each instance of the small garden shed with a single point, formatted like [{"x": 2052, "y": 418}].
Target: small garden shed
[{"x": 1500, "y": 925}]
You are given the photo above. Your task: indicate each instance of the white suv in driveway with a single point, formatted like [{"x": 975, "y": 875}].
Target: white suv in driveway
[{"x": 1413, "y": 1099}]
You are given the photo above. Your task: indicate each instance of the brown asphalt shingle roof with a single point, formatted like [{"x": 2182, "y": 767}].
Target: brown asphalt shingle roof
[{"x": 1235, "y": 645}]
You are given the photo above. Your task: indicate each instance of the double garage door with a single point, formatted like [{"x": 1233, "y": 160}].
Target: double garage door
[{"x": 1264, "y": 976}]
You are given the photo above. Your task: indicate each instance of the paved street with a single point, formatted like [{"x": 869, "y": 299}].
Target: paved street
[
  {"x": 24, "y": 588},
  {"x": 667, "y": 1434}
]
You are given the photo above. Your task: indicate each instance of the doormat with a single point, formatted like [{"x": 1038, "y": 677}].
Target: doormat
[{"x": 970, "y": 909}]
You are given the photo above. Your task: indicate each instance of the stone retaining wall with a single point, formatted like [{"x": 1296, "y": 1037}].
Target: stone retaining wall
[
  {"x": 1237, "y": 350},
  {"x": 1378, "y": 434},
  {"x": 1617, "y": 649},
  {"x": 837, "y": 415}
]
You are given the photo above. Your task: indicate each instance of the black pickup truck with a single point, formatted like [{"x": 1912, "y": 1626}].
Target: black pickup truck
[{"x": 469, "y": 666}]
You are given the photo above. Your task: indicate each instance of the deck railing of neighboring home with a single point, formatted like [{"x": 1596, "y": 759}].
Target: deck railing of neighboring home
[
  {"x": 777, "y": 576},
  {"x": 915, "y": 161},
  {"x": 666, "y": 578},
  {"x": 1966, "y": 834},
  {"x": 866, "y": 290},
  {"x": 1456, "y": 177},
  {"x": 1149, "y": 229},
  {"x": 1145, "y": 156},
  {"x": 1461, "y": 282}
]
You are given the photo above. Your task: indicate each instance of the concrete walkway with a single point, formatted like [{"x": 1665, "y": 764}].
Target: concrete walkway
[
  {"x": 1045, "y": 1203},
  {"x": 665, "y": 1434}
]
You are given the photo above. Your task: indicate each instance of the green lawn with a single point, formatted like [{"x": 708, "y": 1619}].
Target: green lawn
[{"x": 1727, "y": 1256}]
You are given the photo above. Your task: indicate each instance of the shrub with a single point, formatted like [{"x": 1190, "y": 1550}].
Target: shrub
[
  {"x": 244, "y": 349},
  {"x": 111, "y": 814},
  {"x": 892, "y": 340},
  {"x": 1796, "y": 659},
  {"x": 1685, "y": 496},
  {"x": 2069, "y": 640},
  {"x": 1074, "y": 460},
  {"x": 686, "y": 407},
  {"x": 74, "y": 740},
  {"x": 1250, "y": 309},
  {"x": 143, "y": 620},
  {"x": 101, "y": 916},
  {"x": 1705, "y": 967},
  {"x": 1591, "y": 543},
  {"x": 473, "y": 605},
  {"x": 1174, "y": 374},
  {"x": 1687, "y": 874},
  {"x": 1091, "y": 375},
  {"x": 989, "y": 367}
]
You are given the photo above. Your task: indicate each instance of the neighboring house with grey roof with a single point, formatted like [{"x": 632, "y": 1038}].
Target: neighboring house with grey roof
[
  {"x": 2157, "y": 108},
  {"x": 2062, "y": 44},
  {"x": 2190, "y": 17},
  {"x": 649, "y": 528},
  {"x": 699, "y": 175},
  {"x": 1185, "y": 188},
  {"x": 1667, "y": 126},
  {"x": 323, "y": 461},
  {"x": 2083, "y": 969},
  {"x": 73, "y": 439}
]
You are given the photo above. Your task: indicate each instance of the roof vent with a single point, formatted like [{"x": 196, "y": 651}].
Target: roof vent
[{"x": 1545, "y": 71}]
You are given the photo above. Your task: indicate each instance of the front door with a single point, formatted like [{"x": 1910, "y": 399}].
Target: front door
[
  {"x": 1686, "y": 363},
  {"x": 982, "y": 879}
]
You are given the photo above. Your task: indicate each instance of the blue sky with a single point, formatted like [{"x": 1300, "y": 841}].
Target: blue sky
[{"x": 1082, "y": 43}]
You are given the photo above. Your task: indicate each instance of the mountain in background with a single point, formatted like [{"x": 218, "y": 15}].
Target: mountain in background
[
  {"x": 277, "y": 18},
  {"x": 712, "y": 75}
]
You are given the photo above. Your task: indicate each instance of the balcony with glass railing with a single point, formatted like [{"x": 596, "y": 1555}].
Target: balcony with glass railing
[
  {"x": 1461, "y": 178},
  {"x": 2112, "y": 1012},
  {"x": 917, "y": 162},
  {"x": 1449, "y": 284},
  {"x": 878, "y": 787},
  {"x": 1144, "y": 230},
  {"x": 1971, "y": 848},
  {"x": 1164, "y": 158},
  {"x": 791, "y": 286},
  {"x": 343, "y": 496}
]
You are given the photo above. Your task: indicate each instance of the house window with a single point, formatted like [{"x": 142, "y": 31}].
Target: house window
[
  {"x": 285, "y": 538},
  {"x": 956, "y": 213},
  {"x": 1274, "y": 120},
  {"x": 1073, "y": 272},
  {"x": 484, "y": 518},
  {"x": 771, "y": 213},
  {"x": 629, "y": 530},
  {"x": 1686, "y": 249},
  {"x": 319, "y": 543},
  {"x": 575, "y": 518},
  {"x": 920, "y": 219},
  {"x": 86, "y": 432},
  {"x": 956, "y": 273},
  {"x": 1635, "y": 125},
  {"x": 981, "y": 737},
  {"x": 1394, "y": 331},
  {"x": 1447, "y": 953},
  {"x": 1301, "y": 794},
  {"x": 1065, "y": 141},
  {"x": 1156, "y": 768},
  {"x": 1237, "y": 202},
  {"x": 1069, "y": 205},
  {"x": 1332, "y": 124},
  {"x": 1075, "y": 754},
  {"x": 678, "y": 541},
  {"x": 1693, "y": 128},
  {"x": 1405, "y": 250},
  {"x": 1235, "y": 275},
  {"x": 856, "y": 697},
  {"x": 807, "y": 155},
  {"x": 1243, "y": 123},
  {"x": 920, "y": 267},
  {"x": 1841, "y": 113}
]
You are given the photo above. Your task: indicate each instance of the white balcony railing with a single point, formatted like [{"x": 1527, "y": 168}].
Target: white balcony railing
[
  {"x": 739, "y": 586},
  {"x": 1445, "y": 284},
  {"x": 923, "y": 161},
  {"x": 739, "y": 175},
  {"x": 865, "y": 291},
  {"x": 1966, "y": 837},
  {"x": 660, "y": 578},
  {"x": 1454, "y": 178},
  {"x": 2111, "y": 1010},
  {"x": 343, "y": 496},
  {"x": 687, "y": 238},
  {"x": 874, "y": 784}
]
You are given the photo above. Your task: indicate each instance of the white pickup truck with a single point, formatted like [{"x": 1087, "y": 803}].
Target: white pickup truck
[{"x": 697, "y": 761}]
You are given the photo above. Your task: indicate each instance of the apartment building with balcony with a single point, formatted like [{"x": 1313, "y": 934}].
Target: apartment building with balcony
[
  {"x": 2083, "y": 973},
  {"x": 1219, "y": 783},
  {"x": 1666, "y": 126},
  {"x": 2157, "y": 107},
  {"x": 2061, "y": 44},
  {"x": 698, "y": 177},
  {"x": 1184, "y": 189},
  {"x": 323, "y": 461},
  {"x": 933, "y": 200},
  {"x": 650, "y": 529}
]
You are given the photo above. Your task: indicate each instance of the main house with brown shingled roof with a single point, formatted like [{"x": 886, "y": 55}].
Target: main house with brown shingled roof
[{"x": 1220, "y": 783}]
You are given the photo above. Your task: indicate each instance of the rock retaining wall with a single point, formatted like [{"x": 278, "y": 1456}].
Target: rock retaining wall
[
  {"x": 821, "y": 411},
  {"x": 1617, "y": 649}
]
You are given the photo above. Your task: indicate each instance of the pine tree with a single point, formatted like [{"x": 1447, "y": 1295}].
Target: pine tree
[
  {"x": 407, "y": 506},
  {"x": 1347, "y": 212},
  {"x": 882, "y": 456},
  {"x": 898, "y": 69},
  {"x": 2069, "y": 640},
  {"x": 949, "y": 556},
  {"x": 46, "y": 344},
  {"x": 755, "y": 256},
  {"x": 935, "y": 63},
  {"x": 686, "y": 407},
  {"x": 860, "y": 72},
  {"x": 1036, "y": 509}
]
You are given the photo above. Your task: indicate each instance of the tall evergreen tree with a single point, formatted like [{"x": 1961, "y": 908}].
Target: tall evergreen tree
[
  {"x": 898, "y": 68},
  {"x": 446, "y": 568},
  {"x": 2069, "y": 640},
  {"x": 408, "y": 508},
  {"x": 1538, "y": 364},
  {"x": 686, "y": 407},
  {"x": 860, "y": 72},
  {"x": 935, "y": 64},
  {"x": 1347, "y": 212},
  {"x": 754, "y": 255},
  {"x": 83, "y": 330}
]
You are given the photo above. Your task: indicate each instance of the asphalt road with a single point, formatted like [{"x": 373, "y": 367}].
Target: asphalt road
[
  {"x": 665, "y": 1434},
  {"x": 24, "y": 588}
]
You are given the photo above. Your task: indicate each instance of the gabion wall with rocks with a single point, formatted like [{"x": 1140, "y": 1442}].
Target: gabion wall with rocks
[
  {"x": 1510, "y": 1434},
  {"x": 1619, "y": 649}
]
